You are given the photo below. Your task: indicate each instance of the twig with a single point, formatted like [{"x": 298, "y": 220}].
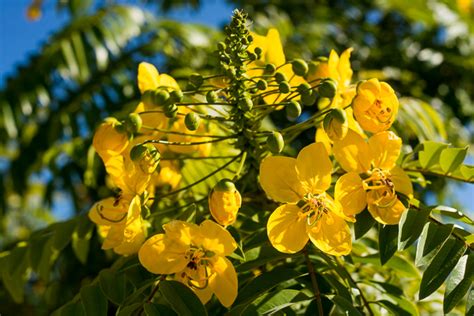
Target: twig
[{"x": 312, "y": 273}]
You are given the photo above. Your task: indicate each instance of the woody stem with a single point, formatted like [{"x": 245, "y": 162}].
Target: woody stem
[{"x": 312, "y": 274}]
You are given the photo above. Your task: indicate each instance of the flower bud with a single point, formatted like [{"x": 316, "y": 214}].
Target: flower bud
[
  {"x": 335, "y": 124},
  {"x": 252, "y": 56},
  {"x": 196, "y": 80},
  {"x": 327, "y": 89},
  {"x": 262, "y": 85},
  {"x": 133, "y": 123},
  {"x": 300, "y": 67},
  {"x": 245, "y": 104},
  {"x": 258, "y": 51},
  {"x": 192, "y": 120},
  {"x": 224, "y": 202},
  {"x": 211, "y": 97},
  {"x": 293, "y": 109},
  {"x": 221, "y": 46},
  {"x": 275, "y": 142},
  {"x": 160, "y": 97},
  {"x": 304, "y": 88},
  {"x": 308, "y": 98},
  {"x": 108, "y": 140},
  {"x": 176, "y": 96},
  {"x": 250, "y": 38},
  {"x": 284, "y": 87},
  {"x": 146, "y": 156},
  {"x": 171, "y": 111},
  {"x": 270, "y": 69},
  {"x": 279, "y": 77}
]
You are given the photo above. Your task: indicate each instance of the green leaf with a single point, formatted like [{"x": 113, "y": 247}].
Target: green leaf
[
  {"x": 14, "y": 285},
  {"x": 458, "y": 282},
  {"x": 93, "y": 300},
  {"x": 312, "y": 309},
  {"x": 81, "y": 239},
  {"x": 441, "y": 265},
  {"x": 277, "y": 301},
  {"x": 387, "y": 242},
  {"x": 341, "y": 289},
  {"x": 63, "y": 234},
  {"x": 411, "y": 225},
  {"x": 467, "y": 172},
  {"x": 70, "y": 309},
  {"x": 451, "y": 158},
  {"x": 403, "y": 267},
  {"x": 264, "y": 283},
  {"x": 181, "y": 298},
  {"x": 453, "y": 213},
  {"x": 394, "y": 308},
  {"x": 432, "y": 238},
  {"x": 364, "y": 222},
  {"x": 152, "y": 309},
  {"x": 129, "y": 310},
  {"x": 429, "y": 155},
  {"x": 266, "y": 254},
  {"x": 470, "y": 301},
  {"x": 345, "y": 306},
  {"x": 113, "y": 285}
]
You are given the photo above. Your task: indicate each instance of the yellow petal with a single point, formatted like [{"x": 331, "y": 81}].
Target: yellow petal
[
  {"x": 344, "y": 67},
  {"x": 110, "y": 211},
  {"x": 387, "y": 215},
  {"x": 162, "y": 255},
  {"x": 385, "y": 149},
  {"x": 274, "y": 54},
  {"x": 286, "y": 229},
  {"x": 182, "y": 231},
  {"x": 279, "y": 179},
  {"x": 147, "y": 77},
  {"x": 114, "y": 237},
  {"x": 331, "y": 235},
  {"x": 350, "y": 193},
  {"x": 313, "y": 168},
  {"x": 322, "y": 137},
  {"x": 217, "y": 239},
  {"x": 204, "y": 294},
  {"x": 224, "y": 281},
  {"x": 133, "y": 237},
  {"x": 401, "y": 181},
  {"x": 333, "y": 62},
  {"x": 352, "y": 153},
  {"x": 168, "y": 82}
]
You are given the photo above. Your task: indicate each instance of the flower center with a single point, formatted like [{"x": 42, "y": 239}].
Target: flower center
[
  {"x": 313, "y": 207},
  {"x": 380, "y": 111},
  {"x": 381, "y": 189},
  {"x": 197, "y": 270}
]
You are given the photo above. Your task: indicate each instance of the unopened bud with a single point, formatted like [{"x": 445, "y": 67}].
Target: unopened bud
[
  {"x": 221, "y": 46},
  {"x": 171, "y": 111},
  {"x": 252, "y": 56},
  {"x": 275, "y": 142},
  {"x": 211, "y": 97},
  {"x": 279, "y": 77},
  {"x": 284, "y": 87},
  {"x": 160, "y": 97},
  {"x": 133, "y": 123},
  {"x": 293, "y": 109},
  {"x": 146, "y": 156},
  {"x": 335, "y": 124},
  {"x": 245, "y": 104},
  {"x": 308, "y": 98},
  {"x": 262, "y": 85},
  {"x": 327, "y": 89},
  {"x": 300, "y": 67},
  {"x": 258, "y": 51},
  {"x": 176, "y": 96},
  {"x": 304, "y": 87},
  {"x": 224, "y": 202},
  {"x": 192, "y": 120},
  {"x": 270, "y": 69}
]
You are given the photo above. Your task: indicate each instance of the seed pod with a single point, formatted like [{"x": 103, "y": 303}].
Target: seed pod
[
  {"x": 262, "y": 85},
  {"x": 327, "y": 89},
  {"x": 192, "y": 120},
  {"x": 270, "y": 69},
  {"x": 160, "y": 97},
  {"x": 275, "y": 142},
  {"x": 300, "y": 67},
  {"x": 176, "y": 96},
  {"x": 224, "y": 202},
  {"x": 335, "y": 124},
  {"x": 284, "y": 87},
  {"x": 293, "y": 109},
  {"x": 245, "y": 104},
  {"x": 279, "y": 77},
  {"x": 211, "y": 97},
  {"x": 133, "y": 123}
]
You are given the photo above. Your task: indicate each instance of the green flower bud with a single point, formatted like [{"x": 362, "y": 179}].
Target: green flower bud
[
  {"x": 221, "y": 46},
  {"x": 300, "y": 67},
  {"x": 138, "y": 152},
  {"x": 192, "y": 120},
  {"x": 270, "y": 69},
  {"x": 335, "y": 124},
  {"x": 308, "y": 98},
  {"x": 258, "y": 51},
  {"x": 196, "y": 80},
  {"x": 147, "y": 97},
  {"x": 313, "y": 67},
  {"x": 250, "y": 38},
  {"x": 252, "y": 56},
  {"x": 171, "y": 111},
  {"x": 304, "y": 87},
  {"x": 211, "y": 97},
  {"x": 161, "y": 97},
  {"x": 133, "y": 123},
  {"x": 262, "y": 85},
  {"x": 284, "y": 87},
  {"x": 176, "y": 96},
  {"x": 293, "y": 109},
  {"x": 244, "y": 41},
  {"x": 224, "y": 185},
  {"x": 279, "y": 77},
  {"x": 146, "y": 156},
  {"x": 245, "y": 104},
  {"x": 275, "y": 142},
  {"x": 327, "y": 89}
]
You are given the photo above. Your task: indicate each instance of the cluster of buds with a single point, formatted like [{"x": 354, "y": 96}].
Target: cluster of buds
[{"x": 163, "y": 98}]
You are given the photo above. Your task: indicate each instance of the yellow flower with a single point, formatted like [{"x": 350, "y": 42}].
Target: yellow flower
[
  {"x": 272, "y": 53},
  {"x": 309, "y": 213},
  {"x": 375, "y": 106},
  {"x": 127, "y": 175},
  {"x": 372, "y": 177},
  {"x": 197, "y": 257},
  {"x": 107, "y": 141},
  {"x": 150, "y": 79},
  {"x": 224, "y": 202}
]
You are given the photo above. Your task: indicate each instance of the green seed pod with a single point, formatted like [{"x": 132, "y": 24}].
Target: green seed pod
[
  {"x": 300, "y": 67},
  {"x": 196, "y": 80},
  {"x": 262, "y": 85},
  {"x": 258, "y": 51},
  {"x": 192, "y": 120},
  {"x": 147, "y": 97},
  {"x": 335, "y": 124},
  {"x": 176, "y": 96},
  {"x": 327, "y": 89},
  {"x": 211, "y": 97},
  {"x": 245, "y": 104},
  {"x": 275, "y": 142},
  {"x": 221, "y": 46},
  {"x": 270, "y": 69},
  {"x": 224, "y": 185},
  {"x": 133, "y": 123},
  {"x": 252, "y": 56},
  {"x": 293, "y": 109},
  {"x": 284, "y": 87},
  {"x": 171, "y": 111},
  {"x": 279, "y": 77},
  {"x": 161, "y": 97},
  {"x": 308, "y": 98}
]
